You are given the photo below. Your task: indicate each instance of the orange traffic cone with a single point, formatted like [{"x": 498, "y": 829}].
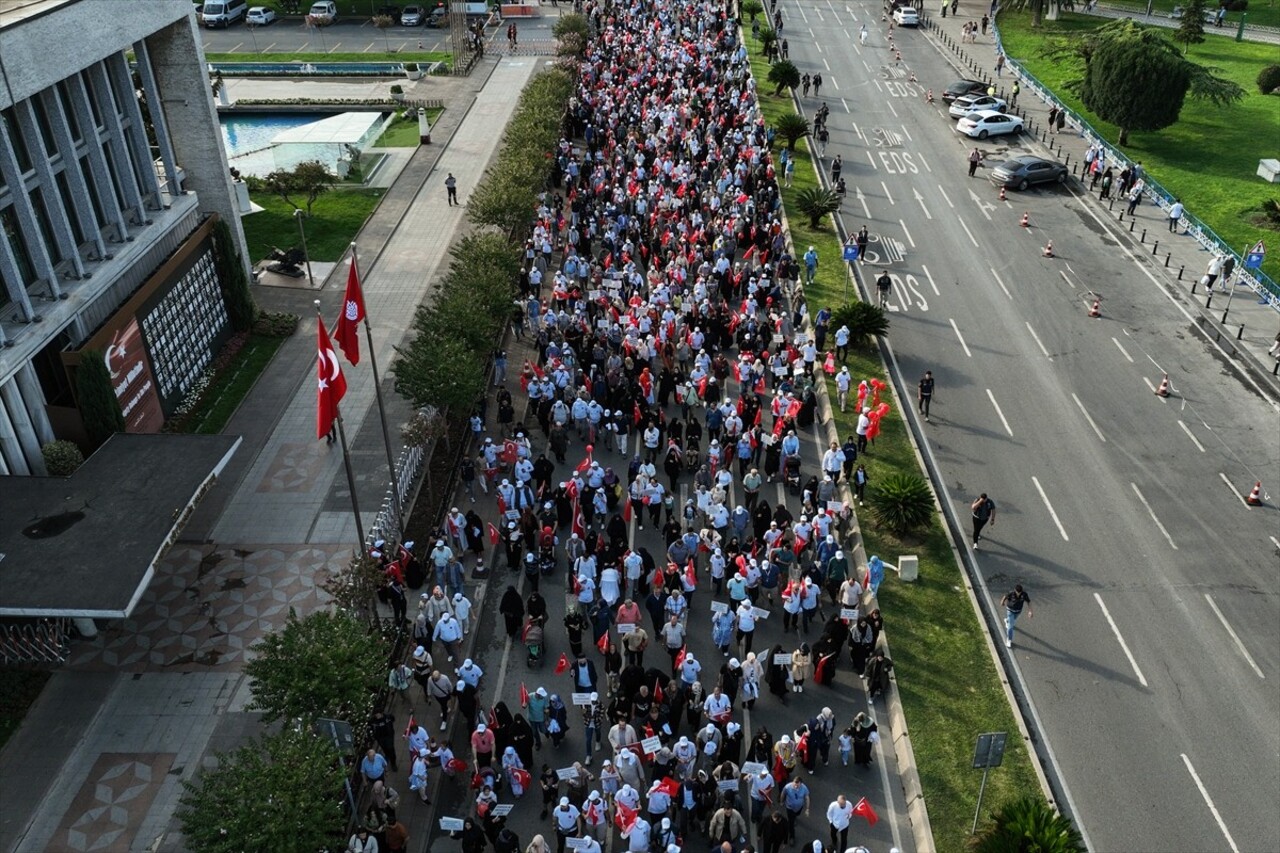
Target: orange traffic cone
[
  {"x": 1163, "y": 390},
  {"x": 1095, "y": 310},
  {"x": 1002, "y": 193},
  {"x": 1255, "y": 497},
  {"x": 1048, "y": 249},
  {"x": 1026, "y": 220}
]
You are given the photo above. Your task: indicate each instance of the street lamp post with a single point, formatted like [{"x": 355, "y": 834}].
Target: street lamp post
[{"x": 299, "y": 215}]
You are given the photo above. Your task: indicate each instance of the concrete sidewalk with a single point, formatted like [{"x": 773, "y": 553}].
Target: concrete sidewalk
[
  {"x": 101, "y": 757},
  {"x": 1246, "y": 330}
]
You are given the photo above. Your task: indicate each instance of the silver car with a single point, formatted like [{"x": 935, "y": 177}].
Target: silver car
[{"x": 961, "y": 107}]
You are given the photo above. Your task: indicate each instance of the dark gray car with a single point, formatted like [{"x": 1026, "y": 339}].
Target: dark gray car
[{"x": 1021, "y": 172}]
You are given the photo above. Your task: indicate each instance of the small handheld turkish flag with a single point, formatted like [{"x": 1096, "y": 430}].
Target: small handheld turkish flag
[
  {"x": 524, "y": 696},
  {"x": 493, "y": 534},
  {"x": 603, "y": 643},
  {"x": 346, "y": 332},
  {"x": 563, "y": 664},
  {"x": 863, "y": 809}
]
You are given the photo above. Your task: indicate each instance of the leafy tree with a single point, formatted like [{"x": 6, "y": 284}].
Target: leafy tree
[
  {"x": 783, "y": 74},
  {"x": 791, "y": 127},
  {"x": 817, "y": 202},
  {"x": 1269, "y": 80},
  {"x": 438, "y": 369},
  {"x": 863, "y": 319},
  {"x": 1027, "y": 825},
  {"x": 309, "y": 179},
  {"x": 752, "y": 8},
  {"x": 99, "y": 409},
  {"x": 1191, "y": 28},
  {"x": 383, "y": 23},
  {"x": 1038, "y": 7},
  {"x": 241, "y": 309},
  {"x": 768, "y": 38},
  {"x": 281, "y": 792},
  {"x": 571, "y": 24},
  {"x": 1136, "y": 79},
  {"x": 322, "y": 665},
  {"x": 354, "y": 588},
  {"x": 902, "y": 502}
]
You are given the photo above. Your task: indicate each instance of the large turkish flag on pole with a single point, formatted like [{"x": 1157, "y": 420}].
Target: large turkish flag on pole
[
  {"x": 346, "y": 332},
  {"x": 332, "y": 384}
]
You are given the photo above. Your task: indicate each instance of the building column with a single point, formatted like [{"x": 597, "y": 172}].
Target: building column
[
  {"x": 76, "y": 179},
  {"x": 99, "y": 173},
  {"x": 27, "y": 222},
  {"x": 25, "y": 431},
  {"x": 53, "y": 208},
  {"x": 136, "y": 134},
  {"x": 158, "y": 122},
  {"x": 126, "y": 174},
  {"x": 10, "y": 448},
  {"x": 33, "y": 396}
]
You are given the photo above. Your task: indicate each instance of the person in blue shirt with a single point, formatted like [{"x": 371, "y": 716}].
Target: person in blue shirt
[
  {"x": 810, "y": 264},
  {"x": 373, "y": 766},
  {"x": 795, "y": 799}
]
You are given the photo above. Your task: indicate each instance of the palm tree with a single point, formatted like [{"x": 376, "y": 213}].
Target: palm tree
[
  {"x": 784, "y": 75},
  {"x": 791, "y": 127},
  {"x": 863, "y": 319},
  {"x": 1027, "y": 825},
  {"x": 815, "y": 203},
  {"x": 902, "y": 503}
]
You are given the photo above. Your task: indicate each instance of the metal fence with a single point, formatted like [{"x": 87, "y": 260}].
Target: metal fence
[
  {"x": 408, "y": 468},
  {"x": 1266, "y": 288},
  {"x": 35, "y": 641}
]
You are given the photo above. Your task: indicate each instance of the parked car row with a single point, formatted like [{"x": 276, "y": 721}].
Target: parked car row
[{"x": 218, "y": 14}]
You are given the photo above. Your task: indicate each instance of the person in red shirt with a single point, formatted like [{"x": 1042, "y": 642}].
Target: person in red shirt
[{"x": 482, "y": 746}]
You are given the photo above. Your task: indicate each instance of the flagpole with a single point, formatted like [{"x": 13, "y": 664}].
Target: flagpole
[
  {"x": 351, "y": 477},
  {"x": 382, "y": 416}
]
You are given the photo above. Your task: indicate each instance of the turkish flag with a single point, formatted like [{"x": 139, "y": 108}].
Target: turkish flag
[
  {"x": 625, "y": 818},
  {"x": 691, "y": 574},
  {"x": 521, "y": 776},
  {"x": 863, "y": 809},
  {"x": 562, "y": 665},
  {"x": 681, "y": 655},
  {"x": 603, "y": 643},
  {"x": 332, "y": 384},
  {"x": 493, "y": 534},
  {"x": 658, "y": 695},
  {"x": 579, "y": 526},
  {"x": 586, "y": 461},
  {"x": 524, "y": 696},
  {"x": 821, "y": 671},
  {"x": 346, "y": 333},
  {"x": 668, "y": 785},
  {"x": 412, "y": 724},
  {"x": 626, "y": 511}
]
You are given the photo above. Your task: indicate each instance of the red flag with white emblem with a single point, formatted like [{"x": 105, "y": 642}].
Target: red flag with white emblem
[
  {"x": 332, "y": 384},
  {"x": 345, "y": 332}
]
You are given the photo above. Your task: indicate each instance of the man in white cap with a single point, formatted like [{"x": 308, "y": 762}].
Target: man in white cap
[
  {"x": 760, "y": 794},
  {"x": 462, "y": 611},
  {"x": 595, "y": 816},
  {"x": 665, "y": 837},
  {"x": 440, "y": 556},
  {"x": 470, "y": 673},
  {"x": 639, "y": 835},
  {"x": 686, "y": 753},
  {"x": 448, "y": 633},
  {"x": 659, "y": 801},
  {"x": 483, "y": 743},
  {"x": 568, "y": 822}
]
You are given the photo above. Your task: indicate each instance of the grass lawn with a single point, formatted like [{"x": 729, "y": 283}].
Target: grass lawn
[
  {"x": 18, "y": 689},
  {"x": 1209, "y": 156},
  {"x": 1259, "y": 13},
  {"x": 419, "y": 56},
  {"x": 950, "y": 689},
  {"x": 335, "y": 219},
  {"x": 226, "y": 392},
  {"x": 403, "y": 132}
]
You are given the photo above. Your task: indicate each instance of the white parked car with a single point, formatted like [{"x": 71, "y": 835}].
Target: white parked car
[
  {"x": 905, "y": 16},
  {"x": 261, "y": 16},
  {"x": 325, "y": 12},
  {"x": 961, "y": 107},
  {"x": 986, "y": 123}
]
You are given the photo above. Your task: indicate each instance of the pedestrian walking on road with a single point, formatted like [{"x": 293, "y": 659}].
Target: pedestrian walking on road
[
  {"x": 925, "y": 394},
  {"x": 786, "y": 50},
  {"x": 1053, "y": 117},
  {"x": 1062, "y": 120},
  {"x": 862, "y": 34},
  {"x": 984, "y": 511},
  {"x": 805, "y": 83},
  {"x": 789, "y": 173},
  {"x": 1014, "y": 600},
  {"x": 1135, "y": 197},
  {"x": 817, "y": 84},
  {"x": 838, "y": 816},
  {"x": 451, "y": 186},
  {"x": 837, "y": 166},
  {"x": 975, "y": 157},
  {"x": 883, "y": 285},
  {"x": 1212, "y": 272},
  {"x": 985, "y": 21}
]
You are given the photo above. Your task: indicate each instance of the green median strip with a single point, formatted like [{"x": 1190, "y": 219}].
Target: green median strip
[{"x": 951, "y": 691}]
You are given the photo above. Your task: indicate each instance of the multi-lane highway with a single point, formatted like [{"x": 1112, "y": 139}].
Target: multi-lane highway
[{"x": 1154, "y": 654}]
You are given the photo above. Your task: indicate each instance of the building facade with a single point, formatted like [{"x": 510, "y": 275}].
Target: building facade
[{"x": 111, "y": 169}]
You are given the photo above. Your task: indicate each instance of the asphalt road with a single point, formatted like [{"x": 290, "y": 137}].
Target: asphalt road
[
  {"x": 506, "y": 667},
  {"x": 1154, "y": 652}
]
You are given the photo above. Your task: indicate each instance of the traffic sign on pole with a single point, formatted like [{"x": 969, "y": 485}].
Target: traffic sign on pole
[{"x": 1254, "y": 257}]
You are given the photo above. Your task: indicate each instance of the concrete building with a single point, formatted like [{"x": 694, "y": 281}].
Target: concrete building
[{"x": 111, "y": 165}]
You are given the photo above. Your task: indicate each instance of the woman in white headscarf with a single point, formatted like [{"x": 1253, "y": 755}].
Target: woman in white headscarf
[{"x": 510, "y": 764}]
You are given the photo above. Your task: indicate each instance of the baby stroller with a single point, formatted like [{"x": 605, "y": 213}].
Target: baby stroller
[
  {"x": 533, "y": 638},
  {"x": 791, "y": 473}
]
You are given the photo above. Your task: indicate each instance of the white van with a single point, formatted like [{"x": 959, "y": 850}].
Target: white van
[
  {"x": 325, "y": 12},
  {"x": 223, "y": 13}
]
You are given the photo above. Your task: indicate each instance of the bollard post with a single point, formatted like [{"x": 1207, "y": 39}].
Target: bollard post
[
  {"x": 1132, "y": 222},
  {"x": 1240, "y": 334},
  {"x": 1155, "y": 247},
  {"x": 1167, "y": 256},
  {"x": 1068, "y": 162},
  {"x": 1275, "y": 368},
  {"x": 1180, "y": 269},
  {"x": 1112, "y": 206},
  {"x": 1208, "y": 303},
  {"x": 1194, "y": 284},
  {"x": 1121, "y": 220},
  {"x": 1143, "y": 238}
]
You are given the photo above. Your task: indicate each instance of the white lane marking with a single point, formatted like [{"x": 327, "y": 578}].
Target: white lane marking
[
  {"x": 1089, "y": 418},
  {"x": 1232, "y": 632},
  {"x": 1007, "y": 428},
  {"x": 1234, "y": 490},
  {"x": 1049, "y": 507},
  {"x": 1152, "y": 513},
  {"x": 1208, "y": 801},
  {"x": 1038, "y": 343},
  {"x": 915, "y": 192},
  {"x": 1191, "y": 436},
  {"x": 929, "y": 276},
  {"x": 828, "y": 64},
  {"x": 945, "y": 196},
  {"x": 961, "y": 337},
  {"x": 846, "y": 107},
  {"x": 877, "y": 82},
  {"x": 1120, "y": 347},
  {"x": 862, "y": 199},
  {"x": 972, "y": 239},
  {"x": 1142, "y": 679},
  {"x": 889, "y": 104},
  {"x": 906, "y": 133},
  {"x": 236, "y": 49},
  {"x": 907, "y": 233},
  {"x": 847, "y": 37},
  {"x": 868, "y": 67},
  {"x": 872, "y": 161},
  {"x": 1070, "y": 283},
  {"x": 886, "y": 192},
  {"x": 1274, "y": 541},
  {"x": 1001, "y": 283},
  {"x": 924, "y": 161}
]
